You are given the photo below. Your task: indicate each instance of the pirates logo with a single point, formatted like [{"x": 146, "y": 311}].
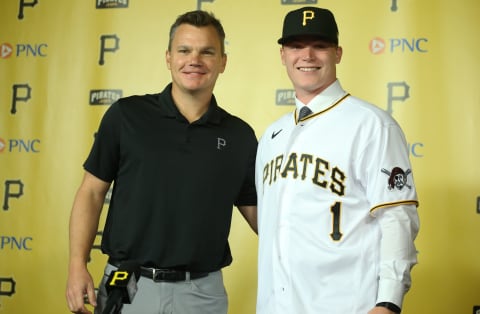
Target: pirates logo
[{"x": 397, "y": 178}]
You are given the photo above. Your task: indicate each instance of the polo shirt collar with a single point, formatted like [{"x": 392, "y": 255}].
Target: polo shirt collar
[{"x": 168, "y": 108}]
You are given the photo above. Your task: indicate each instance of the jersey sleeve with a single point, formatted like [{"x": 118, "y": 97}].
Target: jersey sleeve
[
  {"x": 387, "y": 167},
  {"x": 393, "y": 200}
]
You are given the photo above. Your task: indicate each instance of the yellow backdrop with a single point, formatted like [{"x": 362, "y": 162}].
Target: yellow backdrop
[{"x": 416, "y": 59}]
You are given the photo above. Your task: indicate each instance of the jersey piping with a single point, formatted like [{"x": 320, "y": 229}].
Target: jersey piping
[
  {"x": 407, "y": 202},
  {"x": 320, "y": 112}
]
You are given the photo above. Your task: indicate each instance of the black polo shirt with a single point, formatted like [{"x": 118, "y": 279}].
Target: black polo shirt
[{"x": 174, "y": 183}]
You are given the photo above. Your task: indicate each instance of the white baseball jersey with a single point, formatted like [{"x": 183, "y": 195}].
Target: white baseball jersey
[{"x": 320, "y": 183}]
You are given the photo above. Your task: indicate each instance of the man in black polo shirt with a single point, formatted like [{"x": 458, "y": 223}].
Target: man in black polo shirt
[{"x": 178, "y": 164}]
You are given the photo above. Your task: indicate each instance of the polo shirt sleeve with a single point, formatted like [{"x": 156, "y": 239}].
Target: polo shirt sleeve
[
  {"x": 104, "y": 156},
  {"x": 248, "y": 193}
]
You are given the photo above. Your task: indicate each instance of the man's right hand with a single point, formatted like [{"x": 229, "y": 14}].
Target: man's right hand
[{"x": 79, "y": 287}]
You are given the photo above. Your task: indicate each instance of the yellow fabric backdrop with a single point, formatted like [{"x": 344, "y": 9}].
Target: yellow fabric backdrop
[{"x": 416, "y": 59}]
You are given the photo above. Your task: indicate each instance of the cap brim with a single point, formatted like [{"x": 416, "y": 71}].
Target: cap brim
[{"x": 284, "y": 40}]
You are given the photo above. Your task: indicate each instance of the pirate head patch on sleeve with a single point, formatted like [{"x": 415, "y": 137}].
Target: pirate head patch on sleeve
[{"x": 397, "y": 178}]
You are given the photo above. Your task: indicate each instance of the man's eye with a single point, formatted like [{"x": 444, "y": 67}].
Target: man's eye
[{"x": 294, "y": 47}]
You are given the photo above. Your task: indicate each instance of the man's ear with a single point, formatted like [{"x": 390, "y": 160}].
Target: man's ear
[
  {"x": 167, "y": 58},
  {"x": 339, "y": 53}
]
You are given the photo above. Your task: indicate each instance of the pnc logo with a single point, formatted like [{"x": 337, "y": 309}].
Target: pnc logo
[
  {"x": 6, "y": 50},
  {"x": 377, "y": 45},
  {"x": 20, "y": 145},
  {"x": 398, "y": 45}
]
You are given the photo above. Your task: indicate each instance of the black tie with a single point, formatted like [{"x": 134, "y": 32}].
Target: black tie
[{"x": 305, "y": 111}]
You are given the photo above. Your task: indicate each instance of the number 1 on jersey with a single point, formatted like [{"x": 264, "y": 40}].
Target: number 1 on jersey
[{"x": 336, "y": 235}]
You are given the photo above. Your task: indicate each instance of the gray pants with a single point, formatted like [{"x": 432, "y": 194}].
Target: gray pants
[{"x": 205, "y": 295}]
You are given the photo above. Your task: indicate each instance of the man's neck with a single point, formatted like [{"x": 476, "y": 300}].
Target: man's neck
[
  {"x": 305, "y": 96},
  {"x": 191, "y": 105}
]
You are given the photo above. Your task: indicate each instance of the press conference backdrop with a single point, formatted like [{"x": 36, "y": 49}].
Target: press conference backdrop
[{"x": 62, "y": 63}]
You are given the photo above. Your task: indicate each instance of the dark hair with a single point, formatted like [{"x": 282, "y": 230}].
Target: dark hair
[{"x": 198, "y": 18}]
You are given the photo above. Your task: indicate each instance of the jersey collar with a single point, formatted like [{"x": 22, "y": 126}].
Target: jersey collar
[{"x": 325, "y": 99}]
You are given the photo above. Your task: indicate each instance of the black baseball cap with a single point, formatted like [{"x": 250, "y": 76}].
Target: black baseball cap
[{"x": 310, "y": 21}]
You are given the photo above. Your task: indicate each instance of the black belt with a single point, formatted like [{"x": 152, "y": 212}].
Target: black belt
[{"x": 165, "y": 274}]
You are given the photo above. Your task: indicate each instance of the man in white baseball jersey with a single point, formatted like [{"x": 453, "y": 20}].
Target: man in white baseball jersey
[{"x": 337, "y": 205}]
